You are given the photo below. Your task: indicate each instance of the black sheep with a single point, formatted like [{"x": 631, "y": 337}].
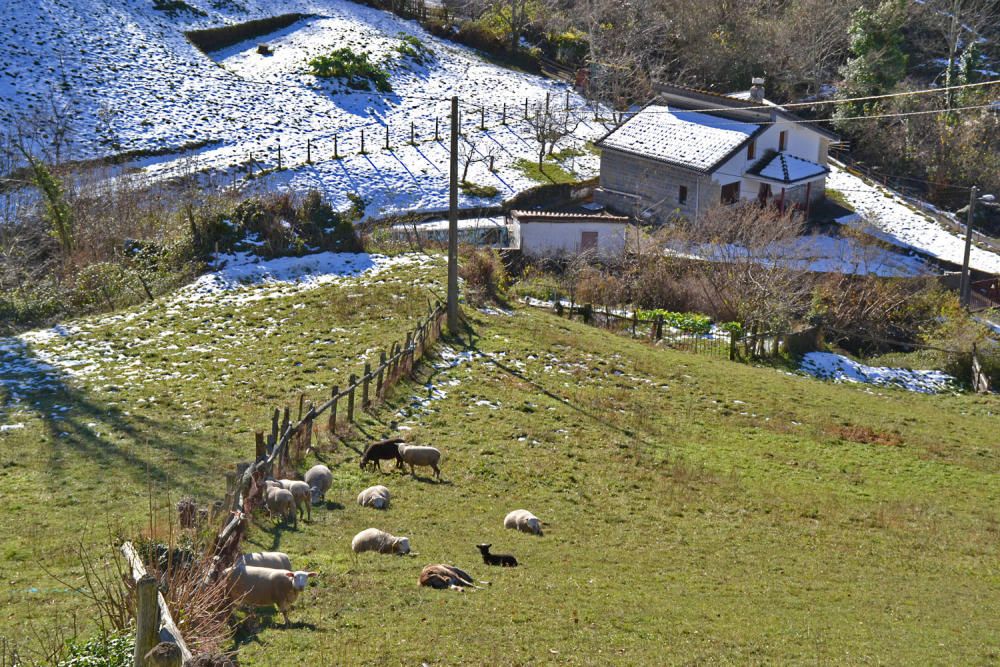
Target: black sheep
[
  {"x": 503, "y": 560},
  {"x": 376, "y": 452}
]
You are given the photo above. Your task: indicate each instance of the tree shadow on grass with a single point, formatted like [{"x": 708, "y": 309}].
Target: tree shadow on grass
[{"x": 109, "y": 436}]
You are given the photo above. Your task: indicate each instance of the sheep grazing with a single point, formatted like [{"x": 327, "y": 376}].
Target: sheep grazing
[
  {"x": 380, "y": 541},
  {"x": 274, "y": 560},
  {"x": 524, "y": 521},
  {"x": 383, "y": 450},
  {"x": 251, "y": 586},
  {"x": 374, "y": 496},
  {"x": 279, "y": 502},
  {"x": 300, "y": 491},
  {"x": 503, "y": 560},
  {"x": 417, "y": 455},
  {"x": 445, "y": 576},
  {"x": 320, "y": 479}
]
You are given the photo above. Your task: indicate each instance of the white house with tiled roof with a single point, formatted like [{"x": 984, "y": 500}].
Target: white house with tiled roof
[{"x": 691, "y": 150}]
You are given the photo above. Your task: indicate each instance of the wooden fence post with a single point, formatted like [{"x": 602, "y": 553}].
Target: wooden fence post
[
  {"x": 379, "y": 389},
  {"x": 659, "y": 327},
  {"x": 407, "y": 353},
  {"x": 260, "y": 445},
  {"x": 732, "y": 346},
  {"x": 331, "y": 425},
  {"x": 302, "y": 400},
  {"x": 309, "y": 151},
  {"x": 272, "y": 439},
  {"x": 336, "y": 156},
  {"x": 635, "y": 321},
  {"x": 350, "y": 398},
  {"x": 364, "y": 386},
  {"x": 147, "y": 619}
]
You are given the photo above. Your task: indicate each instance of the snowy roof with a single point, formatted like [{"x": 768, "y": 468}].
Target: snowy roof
[
  {"x": 563, "y": 216},
  {"x": 786, "y": 168},
  {"x": 689, "y": 139}
]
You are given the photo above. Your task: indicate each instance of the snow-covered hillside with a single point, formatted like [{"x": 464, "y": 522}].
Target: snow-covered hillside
[
  {"x": 132, "y": 81},
  {"x": 887, "y": 216}
]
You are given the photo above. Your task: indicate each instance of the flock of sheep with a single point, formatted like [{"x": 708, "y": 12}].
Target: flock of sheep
[{"x": 266, "y": 579}]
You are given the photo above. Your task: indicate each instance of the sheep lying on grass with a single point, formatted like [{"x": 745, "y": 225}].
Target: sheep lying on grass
[
  {"x": 300, "y": 491},
  {"x": 381, "y": 542},
  {"x": 280, "y": 502},
  {"x": 320, "y": 479},
  {"x": 524, "y": 521},
  {"x": 251, "y": 586},
  {"x": 445, "y": 576},
  {"x": 503, "y": 560},
  {"x": 274, "y": 560},
  {"x": 417, "y": 455},
  {"x": 374, "y": 496},
  {"x": 383, "y": 450}
]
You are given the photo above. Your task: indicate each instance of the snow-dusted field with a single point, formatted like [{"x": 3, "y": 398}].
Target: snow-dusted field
[
  {"x": 131, "y": 80},
  {"x": 829, "y": 366},
  {"x": 44, "y": 360},
  {"x": 890, "y": 218}
]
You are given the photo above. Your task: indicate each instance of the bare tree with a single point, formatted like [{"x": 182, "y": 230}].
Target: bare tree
[
  {"x": 471, "y": 152},
  {"x": 959, "y": 22},
  {"x": 548, "y": 127},
  {"x": 745, "y": 273}
]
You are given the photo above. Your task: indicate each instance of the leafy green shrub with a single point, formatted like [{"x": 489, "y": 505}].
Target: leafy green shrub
[
  {"x": 104, "y": 651},
  {"x": 355, "y": 69},
  {"x": 686, "y": 322},
  {"x": 413, "y": 48}
]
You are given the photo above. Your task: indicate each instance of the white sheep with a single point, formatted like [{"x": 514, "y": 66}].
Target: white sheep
[
  {"x": 279, "y": 502},
  {"x": 320, "y": 479},
  {"x": 524, "y": 521},
  {"x": 262, "y": 587},
  {"x": 274, "y": 560},
  {"x": 380, "y": 541},
  {"x": 420, "y": 455},
  {"x": 300, "y": 491},
  {"x": 374, "y": 496}
]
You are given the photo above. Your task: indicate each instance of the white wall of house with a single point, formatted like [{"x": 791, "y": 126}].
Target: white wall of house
[
  {"x": 801, "y": 142},
  {"x": 552, "y": 239}
]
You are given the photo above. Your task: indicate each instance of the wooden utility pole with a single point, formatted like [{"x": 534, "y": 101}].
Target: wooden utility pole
[
  {"x": 453, "y": 223},
  {"x": 965, "y": 288}
]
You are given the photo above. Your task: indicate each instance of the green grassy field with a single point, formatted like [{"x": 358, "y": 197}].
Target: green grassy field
[{"x": 699, "y": 511}]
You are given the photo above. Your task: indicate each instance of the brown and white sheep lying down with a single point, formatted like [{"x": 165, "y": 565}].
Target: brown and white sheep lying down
[
  {"x": 279, "y": 502},
  {"x": 320, "y": 479},
  {"x": 300, "y": 492},
  {"x": 374, "y": 496},
  {"x": 251, "y": 586},
  {"x": 420, "y": 455},
  {"x": 445, "y": 576},
  {"x": 274, "y": 560},
  {"x": 381, "y": 542},
  {"x": 524, "y": 521}
]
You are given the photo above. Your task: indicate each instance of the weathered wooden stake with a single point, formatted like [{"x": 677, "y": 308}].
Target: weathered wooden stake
[
  {"x": 387, "y": 136},
  {"x": 364, "y": 386},
  {"x": 381, "y": 371},
  {"x": 147, "y": 619},
  {"x": 260, "y": 445},
  {"x": 362, "y": 142},
  {"x": 331, "y": 425},
  {"x": 279, "y": 156},
  {"x": 408, "y": 351},
  {"x": 525, "y": 108},
  {"x": 567, "y": 99},
  {"x": 350, "y": 398},
  {"x": 302, "y": 400},
  {"x": 413, "y": 141},
  {"x": 482, "y": 118},
  {"x": 437, "y": 127},
  {"x": 309, "y": 151},
  {"x": 336, "y": 156}
]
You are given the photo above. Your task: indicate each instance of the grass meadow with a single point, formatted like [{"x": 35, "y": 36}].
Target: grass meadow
[{"x": 698, "y": 511}]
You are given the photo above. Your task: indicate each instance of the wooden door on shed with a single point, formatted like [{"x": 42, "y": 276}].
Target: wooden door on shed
[{"x": 588, "y": 241}]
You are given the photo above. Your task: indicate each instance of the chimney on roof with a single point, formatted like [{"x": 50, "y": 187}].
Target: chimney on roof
[{"x": 757, "y": 89}]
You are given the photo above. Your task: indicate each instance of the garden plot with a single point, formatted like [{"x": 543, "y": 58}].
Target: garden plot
[
  {"x": 129, "y": 80},
  {"x": 887, "y": 216},
  {"x": 829, "y": 366}
]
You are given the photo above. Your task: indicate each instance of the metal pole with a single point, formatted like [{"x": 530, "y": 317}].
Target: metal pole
[
  {"x": 965, "y": 288},
  {"x": 453, "y": 223}
]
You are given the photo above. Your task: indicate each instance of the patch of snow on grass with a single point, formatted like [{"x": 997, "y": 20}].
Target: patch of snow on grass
[{"x": 836, "y": 367}]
